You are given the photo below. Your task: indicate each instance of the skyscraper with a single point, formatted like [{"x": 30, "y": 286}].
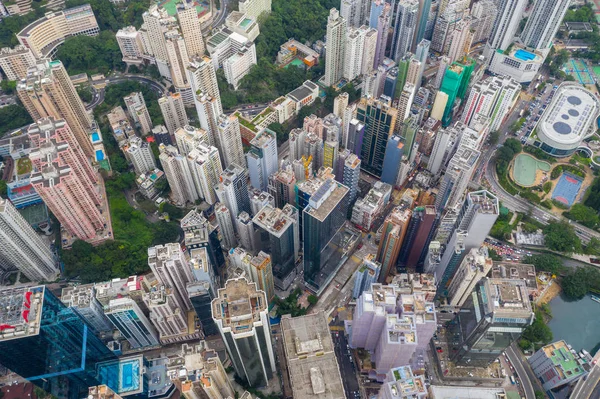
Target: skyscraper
[
  {"x": 48, "y": 92},
  {"x": 82, "y": 299},
  {"x": 241, "y": 314},
  {"x": 474, "y": 267},
  {"x": 383, "y": 30},
  {"x": 422, "y": 17},
  {"x": 351, "y": 175},
  {"x": 493, "y": 98},
  {"x": 178, "y": 174},
  {"x": 543, "y": 23},
  {"x": 379, "y": 119},
  {"x": 473, "y": 223},
  {"x": 229, "y": 140},
  {"x": 340, "y": 103},
  {"x": 262, "y": 158},
  {"x": 404, "y": 27},
  {"x": 280, "y": 237},
  {"x": 15, "y": 62},
  {"x": 248, "y": 234},
  {"x": 458, "y": 174},
  {"x": 224, "y": 219},
  {"x": 178, "y": 61},
  {"x": 171, "y": 269},
  {"x": 66, "y": 181},
  {"x": 505, "y": 26},
  {"x": 141, "y": 155},
  {"x": 233, "y": 189},
  {"x": 493, "y": 317},
  {"x": 189, "y": 137},
  {"x": 367, "y": 274},
  {"x": 21, "y": 248},
  {"x": 208, "y": 109},
  {"x": 205, "y": 166},
  {"x": 49, "y": 344},
  {"x": 136, "y": 106},
  {"x": 128, "y": 318},
  {"x": 261, "y": 270},
  {"x": 322, "y": 229},
  {"x": 353, "y": 58},
  {"x": 392, "y": 235},
  {"x": 191, "y": 29},
  {"x": 203, "y": 79},
  {"x": 200, "y": 233},
  {"x": 391, "y": 162},
  {"x": 336, "y": 40},
  {"x": 173, "y": 111},
  {"x": 419, "y": 235},
  {"x": 485, "y": 11}
]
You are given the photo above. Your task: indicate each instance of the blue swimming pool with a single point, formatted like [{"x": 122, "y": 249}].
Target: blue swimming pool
[
  {"x": 95, "y": 137},
  {"x": 524, "y": 55},
  {"x": 99, "y": 155}
]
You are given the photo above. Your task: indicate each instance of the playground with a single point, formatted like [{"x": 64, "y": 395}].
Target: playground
[
  {"x": 567, "y": 188},
  {"x": 170, "y": 6},
  {"x": 528, "y": 171},
  {"x": 580, "y": 71}
]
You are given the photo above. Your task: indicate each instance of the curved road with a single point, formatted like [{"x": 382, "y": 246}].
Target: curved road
[
  {"x": 519, "y": 204},
  {"x": 154, "y": 85},
  {"x": 517, "y": 362}
]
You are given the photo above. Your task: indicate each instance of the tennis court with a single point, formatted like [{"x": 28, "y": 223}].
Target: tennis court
[
  {"x": 567, "y": 188},
  {"x": 579, "y": 70}
]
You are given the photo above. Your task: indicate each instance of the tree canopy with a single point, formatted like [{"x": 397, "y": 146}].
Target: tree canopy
[
  {"x": 560, "y": 236},
  {"x": 537, "y": 333},
  {"x": 91, "y": 54},
  {"x": 583, "y": 214},
  {"x": 12, "y": 117},
  {"x": 545, "y": 263},
  {"x": 577, "y": 283}
]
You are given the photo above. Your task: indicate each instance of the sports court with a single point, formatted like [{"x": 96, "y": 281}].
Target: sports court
[
  {"x": 171, "y": 6},
  {"x": 526, "y": 168},
  {"x": 579, "y": 70},
  {"x": 567, "y": 188}
]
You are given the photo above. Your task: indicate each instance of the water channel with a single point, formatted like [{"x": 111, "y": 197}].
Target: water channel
[{"x": 577, "y": 322}]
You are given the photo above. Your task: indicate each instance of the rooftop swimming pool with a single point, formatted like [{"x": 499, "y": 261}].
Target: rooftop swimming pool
[
  {"x": 99, "y": 155},
  {"x": 524, "y": 55},
  {"x": 95, "y": 137}
]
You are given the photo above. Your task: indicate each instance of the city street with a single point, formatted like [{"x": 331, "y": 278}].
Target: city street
[
  {"x": 520, "y": 367},
  {"x": 346, "y": 364}
]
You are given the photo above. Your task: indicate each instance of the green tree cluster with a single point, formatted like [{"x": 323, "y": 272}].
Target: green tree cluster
[
  {"x": 91, "y": 54},
  {"x": 127, "y": 253},
  {"x": 583, "y": 214},
  {"x": 303, "y": 20},
  {"x": 290, "y": 304},
  {"x": 8, "y": 86},
  {"x": 584, "y": 13},
  {"x": 113, "y": 17},
  {"x": 593, "y": 195},
  {"x": 545, "y": 263},
  {"x": 114, "y": 96},
  {"x": 577, "y": 283},
  {"x": 561, "y": 237},
  {"x": 12, "y": 117},
  {"x": 502, "y": 227},
  {"x": 537, "y": 334},
  {"x": 12, "y": 25},
  {"x": 506, "y": 153}
]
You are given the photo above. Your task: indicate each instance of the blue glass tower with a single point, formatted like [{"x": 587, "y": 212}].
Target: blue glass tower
[{"x": 48, "y": 343}]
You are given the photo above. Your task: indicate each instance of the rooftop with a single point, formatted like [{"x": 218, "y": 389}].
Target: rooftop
[
  {"x": 506, "y": 298},
  {"x": 571, "y": 115},
  {"x": 519, "y": 271},
  {"x": 311, "y": 359},
  {"x": 273, "y": 220},
  {"x": 564, "y": 359},
  {"x": 327, "y": 197},
  {"x": 238, "y": 305},
  {"x": 20, "y": 312}
]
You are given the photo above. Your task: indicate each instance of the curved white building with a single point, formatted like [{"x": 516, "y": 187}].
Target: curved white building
[{"x": 569, "y": 119}]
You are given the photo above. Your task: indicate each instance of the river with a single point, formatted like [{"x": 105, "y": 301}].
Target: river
[{"x": 577, "y": 322}]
